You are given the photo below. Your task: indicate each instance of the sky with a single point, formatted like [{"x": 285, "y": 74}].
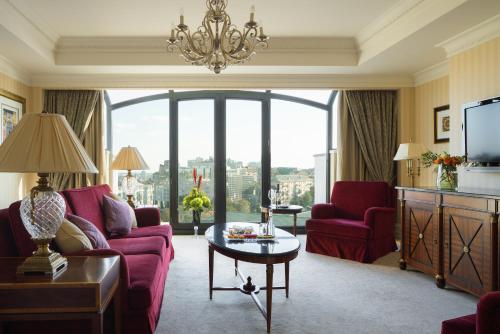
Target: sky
[{"x": 298, "y": 132}]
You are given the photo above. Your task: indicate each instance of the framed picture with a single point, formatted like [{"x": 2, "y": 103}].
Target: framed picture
[
  {"x": 442, "y": 124},
  {"x": 11, "y": 111}
]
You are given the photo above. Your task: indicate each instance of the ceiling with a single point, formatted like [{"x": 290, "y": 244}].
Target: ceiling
[{"x": 62, "y": 42}]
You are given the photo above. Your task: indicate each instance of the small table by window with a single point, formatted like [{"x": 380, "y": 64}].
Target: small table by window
[
  {"x": 83, "y": 291},
  {"x": 289, "y": 210}
]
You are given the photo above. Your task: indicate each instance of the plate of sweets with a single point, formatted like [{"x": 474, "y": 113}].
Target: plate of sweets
[{"x": 245, "y": 233}]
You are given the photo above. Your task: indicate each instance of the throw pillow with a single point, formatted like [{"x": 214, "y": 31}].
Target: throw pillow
[
  {"x": 118, "y": 220},
  {"x": 95, "y": 236},
  {"x": 70, "y": 239},
  {"x": 130, "y": 209}
]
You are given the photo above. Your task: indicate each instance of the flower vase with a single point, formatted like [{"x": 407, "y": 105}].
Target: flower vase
[
  {"x": 447, "y": 179},
  {"x": 196, "y": 221}
]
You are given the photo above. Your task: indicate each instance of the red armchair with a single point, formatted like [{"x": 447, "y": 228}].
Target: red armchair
[
  {"x": 485, "y": 321},
  {"x": 357, "y": 225}
]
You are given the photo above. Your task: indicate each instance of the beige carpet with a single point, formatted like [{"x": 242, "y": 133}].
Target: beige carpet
[{"x": 327, "y": 295}]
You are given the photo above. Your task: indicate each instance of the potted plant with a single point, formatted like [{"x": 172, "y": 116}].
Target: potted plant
[
  {"x": 446, "y": 166},
  {"x": 197, "y": 200}
]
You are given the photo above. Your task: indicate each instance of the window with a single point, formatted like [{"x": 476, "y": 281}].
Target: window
[{"x": 240, "y": 142}]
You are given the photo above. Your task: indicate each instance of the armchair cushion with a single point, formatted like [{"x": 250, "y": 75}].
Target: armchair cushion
[
  {"x": 147, "y": 216},
  {"x": 488, "y": 313},
  {"x": 352, "y": 198},
  {"x": 323, "y": 211},
  {"x": 347, "y": 228},
  {"x": 462, "y": 325},
  {"x": 381, "y": 221}
]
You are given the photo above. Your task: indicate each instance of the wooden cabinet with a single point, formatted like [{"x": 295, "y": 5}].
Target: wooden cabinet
[{"x": 452, "y": 236}]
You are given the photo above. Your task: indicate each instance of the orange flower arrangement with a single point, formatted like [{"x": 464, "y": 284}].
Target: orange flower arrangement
[{"x": 446, "y": 165}]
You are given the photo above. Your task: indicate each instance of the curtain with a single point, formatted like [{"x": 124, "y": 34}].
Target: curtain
[
  {"x": 368, "y": 128},
  {"x": 82, "y": 109}
]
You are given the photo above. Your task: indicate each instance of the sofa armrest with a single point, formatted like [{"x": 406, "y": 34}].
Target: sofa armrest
[
  {"x": 381, "y": 220},
  {"x": 323, "y": 211},
  {"x": 488, "y": 314},
  {"x": 124, "y": 273},
  {"x": 147, "y": 216}
]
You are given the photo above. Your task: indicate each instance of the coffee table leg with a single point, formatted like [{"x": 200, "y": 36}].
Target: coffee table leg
[
  {"x": 269, "y": 294},
  {"x": 295, "y": 224},
  {"x": 287, "y": 277},
  {"x": 210, "y": 270},
  {"x": 235, "y": 267}
]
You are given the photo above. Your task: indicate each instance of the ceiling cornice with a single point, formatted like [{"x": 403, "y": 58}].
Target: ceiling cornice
[
  {"x": 430, "y": 73},
  {"x": 401, "y": 21},
  {"x": 35, "y": 20},
  {"x": 210, "y": 81},
  {"x": 13, "y": 71},
  {"x": 472, "y": 37},
  {"x": 26, "y": 30},
  {"x": 152, "y": 51}
]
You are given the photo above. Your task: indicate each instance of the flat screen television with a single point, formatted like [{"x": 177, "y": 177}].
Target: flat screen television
[{"x": 482, "y": 131}]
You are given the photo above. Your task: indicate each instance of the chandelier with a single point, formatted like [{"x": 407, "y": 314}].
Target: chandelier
[{"x": 217, "y": 42}]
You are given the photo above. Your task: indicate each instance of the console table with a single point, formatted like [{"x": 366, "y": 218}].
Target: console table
[
  {"x": 452, "y": 235},
  {"x": 82, "y": 291}
]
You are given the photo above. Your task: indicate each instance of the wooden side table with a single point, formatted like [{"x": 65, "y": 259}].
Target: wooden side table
[
  {"x": 83, "y": 291},
  {"x": 289, "y": 210}
]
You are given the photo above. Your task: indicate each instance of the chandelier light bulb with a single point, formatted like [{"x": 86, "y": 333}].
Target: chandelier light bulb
[{"x": 252, "y": 13}]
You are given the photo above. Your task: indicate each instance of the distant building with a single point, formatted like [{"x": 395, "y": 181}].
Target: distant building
[
  {"x": 239, "y": 180},
  {"x": 294, "y": 184}
]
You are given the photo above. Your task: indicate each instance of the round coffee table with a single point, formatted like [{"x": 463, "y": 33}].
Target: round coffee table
[{"x": 283, "y": 249}]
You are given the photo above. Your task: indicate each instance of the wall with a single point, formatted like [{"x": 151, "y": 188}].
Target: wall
[
  {"x": 14, "y": 186},
  {"x": 428, "y": 96},
  {"x": 474, "y": 75}
]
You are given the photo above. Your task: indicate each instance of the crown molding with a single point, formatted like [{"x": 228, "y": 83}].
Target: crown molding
[
  {"x": 26, "y": 31},
  {"x": 13, "y": 71},
  {"x": 35, "y": 20},
  {"x": 391, "y": 15},
  {"x": 401, "y": 21},
  {"x": 472, "y": 37},
  {"x": 230, "y": 81},
  {"x": 152, "y": 51},
  {"x": 430, "y": 73}
]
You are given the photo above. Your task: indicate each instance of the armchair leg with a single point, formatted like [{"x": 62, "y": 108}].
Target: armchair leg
[{"x": 402, "y": 264}]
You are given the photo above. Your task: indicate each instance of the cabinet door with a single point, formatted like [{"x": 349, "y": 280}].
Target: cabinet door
[
  {"x": 421, "y": 233},
  {"x": 468, "y": 250}
]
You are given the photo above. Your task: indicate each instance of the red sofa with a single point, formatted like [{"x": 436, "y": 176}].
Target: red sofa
[
  {"x": 145, "y": 255},
  {"x": 357, "y": 224},
  {"x": 485, "y": 321}
]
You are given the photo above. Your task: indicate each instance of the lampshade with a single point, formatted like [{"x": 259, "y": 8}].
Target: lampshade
[
  {"x": 407, "y": 151},
  {"x": 129, "y": 158},
  {"x": 44, "y": 143}
]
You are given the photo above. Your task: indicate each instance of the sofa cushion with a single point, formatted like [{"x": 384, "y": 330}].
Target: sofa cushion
[
  {"x": 118, "y": 218},
  {"x": 71, "y": 239},
  {"x": 96, "y": 238},
  {"x": 157, "y": 230},
  {"x": 135, "y": 246},
  {"x": 25, "y": 246},
  {"x": 145, "y": 276},
  {"x": 87, "y": 203},
  {"x": 340, "y": 227},
  {"x": 130, "y": 209},
  {"x": 462, "y": 325}
]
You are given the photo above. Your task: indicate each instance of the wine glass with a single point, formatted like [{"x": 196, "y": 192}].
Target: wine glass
[{"x": 271, "y": 194}]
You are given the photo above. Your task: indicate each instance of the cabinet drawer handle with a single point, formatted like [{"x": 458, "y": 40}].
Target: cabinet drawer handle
[{"x": 435, "y": 242}]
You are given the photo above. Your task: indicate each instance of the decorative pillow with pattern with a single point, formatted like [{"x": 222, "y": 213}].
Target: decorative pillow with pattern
[{"x": 95, "y": 236}]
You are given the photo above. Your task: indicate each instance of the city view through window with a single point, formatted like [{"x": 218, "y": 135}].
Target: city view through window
[{"x": 298, "y": 135}]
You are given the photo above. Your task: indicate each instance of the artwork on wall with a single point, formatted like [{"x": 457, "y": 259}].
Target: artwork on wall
[
  {"x": 11, "y": 111},
  {"x": 442, "y": 124}
]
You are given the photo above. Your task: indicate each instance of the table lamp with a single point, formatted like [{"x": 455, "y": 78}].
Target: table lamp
[
  {"x": 129, "y": 159},
  {"x": 409, "y": 152},
  {"x": 43, "y": 143}
]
